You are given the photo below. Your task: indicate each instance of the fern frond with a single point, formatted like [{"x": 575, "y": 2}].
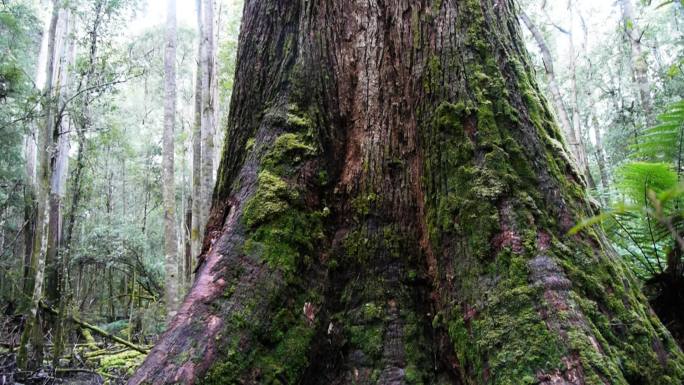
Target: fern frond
[
  {"x": 636, "y": 179},
  {"x": 663, "y": 142}
]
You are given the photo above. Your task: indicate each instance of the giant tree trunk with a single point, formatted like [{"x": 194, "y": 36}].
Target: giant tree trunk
[{"x": 392, "y": 207}]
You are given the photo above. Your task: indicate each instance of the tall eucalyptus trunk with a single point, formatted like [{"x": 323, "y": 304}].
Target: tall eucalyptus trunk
[
  {"x": 392, "y": 207},
  {"x": 196, "y": 218},
  {"x": 549, "y": 70},
  {"x": 59, "y": 163},
  {"x": 208, "y": 115},
  {"x": 30, "y": 353},
  {"x": 30, "y": 157},
  {"x": 168, "y": 178},
  {"x": 57, "y": 249}
]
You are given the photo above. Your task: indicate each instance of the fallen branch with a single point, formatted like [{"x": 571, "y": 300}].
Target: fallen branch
[
  {"x": 103, "y": 352},
  {"x": 80, "y": 370},
  {"x": 95, "y": 329}
]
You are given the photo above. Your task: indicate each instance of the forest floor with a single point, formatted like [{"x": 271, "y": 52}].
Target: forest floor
[{"x": 88, "y": 361}]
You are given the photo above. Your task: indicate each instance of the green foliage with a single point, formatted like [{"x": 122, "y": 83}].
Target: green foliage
[
  {"x": 645, "y": 221},
  {"x": 664, "y": 141},
  {"x": 19, "y": 43},
  {"x": 635, "y": 179}
]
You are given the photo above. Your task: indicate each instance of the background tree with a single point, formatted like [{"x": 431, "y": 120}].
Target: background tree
[
  {"x": 168, "y": 179},
  {"x": 31, "y": 347},
  {"x": 637, "y": 163}
]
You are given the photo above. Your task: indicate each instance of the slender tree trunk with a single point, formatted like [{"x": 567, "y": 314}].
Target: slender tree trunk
[
  {"x": 30, "y": 152},
  {"x": 29, "y": 211},
  {"x": 197, "y": 224},
  {"x": 578, "y": 134},
  {"x": 30, "y": 353},
  {"x": 600, "y": 154},
  {"x": 207, "y": 130},
  {"x": 168, "y": 183},
  {"x": 556, "y": 97},
  {"x": 216, "y": 119},
  {"x": 571, "y": 133},
  {"x": 637, "y": 57},
  {"x": 392, "y": 207},
  {"x": 81, "y": 124},
  {"x": 187, "y": 248}
]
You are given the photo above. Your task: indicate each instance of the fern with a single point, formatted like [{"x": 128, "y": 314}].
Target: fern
[
  {"x": 665, "y": 141},
  {"x": 635, "y": 179},
  {"x": 645, "y": 221}
]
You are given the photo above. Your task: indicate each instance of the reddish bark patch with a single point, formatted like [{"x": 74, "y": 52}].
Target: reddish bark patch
[
  {"x": 470, "y": 127},
  {"x": 469, "y": 313},
  {"x": 571, "y": 374},
  {"x": 309, "y": 312},
  {"x": 508, "y": 238},
  {"x": 543, "y": 241},
  {"x": 425, "y": 245}
]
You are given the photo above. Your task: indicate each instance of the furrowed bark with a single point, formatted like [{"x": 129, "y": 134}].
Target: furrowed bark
[{"x": 392, "y": 207}]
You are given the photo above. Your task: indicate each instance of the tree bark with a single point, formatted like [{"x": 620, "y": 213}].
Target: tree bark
[
  {"x": 392, "y": 207},
  {"x": 169, "y": 185},
  {"x": 187, "y": 248}
]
